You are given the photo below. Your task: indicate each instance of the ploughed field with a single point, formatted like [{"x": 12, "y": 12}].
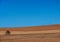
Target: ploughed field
[{"x": 38, "y": 37}]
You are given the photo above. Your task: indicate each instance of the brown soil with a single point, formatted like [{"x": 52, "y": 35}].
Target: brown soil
[
  {"x": 33, "y": 28},
  {"x": 52, "y": 37}
]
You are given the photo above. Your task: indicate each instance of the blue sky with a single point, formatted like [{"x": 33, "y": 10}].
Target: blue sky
[{"x": 19, "y": 13}]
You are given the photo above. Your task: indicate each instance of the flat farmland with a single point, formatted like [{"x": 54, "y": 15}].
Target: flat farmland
[
  {"x": 50, "y": 33},
  {"x": 46, "y": 37}
]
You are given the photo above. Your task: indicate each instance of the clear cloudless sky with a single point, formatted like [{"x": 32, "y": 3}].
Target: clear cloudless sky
[{"x": 19, "y": 13}]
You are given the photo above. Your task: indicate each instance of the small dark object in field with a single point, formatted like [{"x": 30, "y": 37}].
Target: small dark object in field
[{"x": 7, "y": 32}]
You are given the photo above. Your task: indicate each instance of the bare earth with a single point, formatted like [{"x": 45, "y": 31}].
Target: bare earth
[
  {"x": 31, "y": 34},
  {"x": 47, "y": 37}
]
